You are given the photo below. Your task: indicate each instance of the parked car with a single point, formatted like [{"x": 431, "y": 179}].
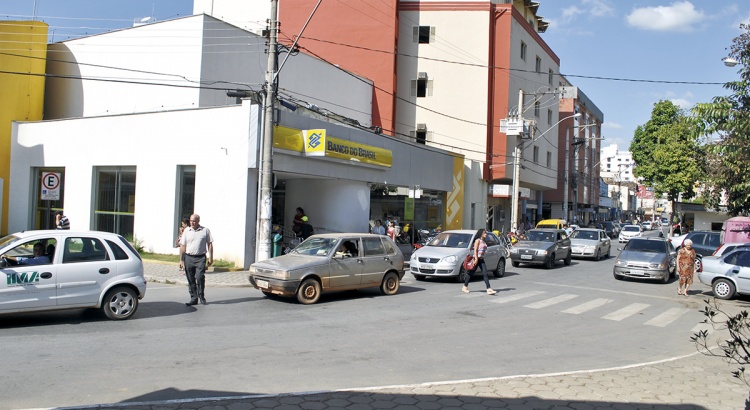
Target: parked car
[
  {"x": 728, "y": 274},
  {"x": 677, "y": 240},
  {"x": 331, "y": 262},
  {"x": 646, "y": 258},
  {"x": 705, "y": 243},
  {"x": 542, "y": 247},
  {"x": 590, "y": 243},
  {"x": 725, "y": 248},
  {"x": 62, "y": 269},
  {"x": 611, "y": 228},
  {"x": 444, "y": 255},
  {"x": 628, "y": 232}
]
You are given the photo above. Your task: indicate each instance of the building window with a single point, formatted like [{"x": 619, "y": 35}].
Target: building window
[
  {"x": 536, "y": 154},
  {"x": 549, "y": 116},
  {"x": 421, "y": 135},
  {"x": 523, "y": 51},
  {"x": 549, "y": 159},
  {"x": 44, "y": 208},
  {"x": 551, "y": 77},
  {"x": 422, "y": 86},
  {"x": 185, "y": 193},
  {"x": 115, "y": 200},
  {"x": 537, "y": 108},
  {"x": 538, "y": 67},
  {"x": 423, "y": 34}
]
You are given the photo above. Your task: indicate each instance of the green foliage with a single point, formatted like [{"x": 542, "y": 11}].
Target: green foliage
[
  {"x": 736, "y": 348},
  {"x": 135, "y": 242},
  {"x": 727, "y": 120}
]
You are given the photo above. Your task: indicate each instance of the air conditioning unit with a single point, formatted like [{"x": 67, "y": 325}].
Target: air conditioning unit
[
  {"x": 422, "y": 76},
  {"x": 421, "y": 127}
]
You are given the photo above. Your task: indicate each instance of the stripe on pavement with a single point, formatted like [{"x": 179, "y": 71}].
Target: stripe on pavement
[
  {"x": 517, "y": 296},
  {"x": 585, "y": 307},
  {"x": 625, "y": 312},
  {"x": 551, "y": 301},
  {"x": 667, "y": 317}
]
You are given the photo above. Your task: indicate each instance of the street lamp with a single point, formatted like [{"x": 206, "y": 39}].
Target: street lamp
[
  {"x": 517, "y": 173},
  {"x": 729, "y": 61}
]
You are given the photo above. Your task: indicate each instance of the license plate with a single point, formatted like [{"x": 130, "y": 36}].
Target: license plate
[
  {"x": 526, "y": 257},
  {"x": 261, "y": 283},
  {"x": 428, "y": 267},
  {"x": 637, "y": 272}
]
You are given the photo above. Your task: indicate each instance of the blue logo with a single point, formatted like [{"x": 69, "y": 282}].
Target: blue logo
[{"x": 314, "y": 140}]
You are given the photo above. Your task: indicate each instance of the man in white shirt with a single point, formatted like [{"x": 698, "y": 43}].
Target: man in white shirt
[
  {"x": 195, "y": 243},
  {"x": 378, "y": 229}
]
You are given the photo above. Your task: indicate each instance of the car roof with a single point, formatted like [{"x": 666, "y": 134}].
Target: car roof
[
  {"x": 589, "y": 229},
  {"x": 648, "y": 238},
  {"x": 546, "y": 230},
  {"x": 342, "y": 234},
  {"x": 42, "y": 232}
]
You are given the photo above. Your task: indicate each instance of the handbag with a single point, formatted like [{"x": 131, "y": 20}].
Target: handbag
[{"x": 469, "y": 263}]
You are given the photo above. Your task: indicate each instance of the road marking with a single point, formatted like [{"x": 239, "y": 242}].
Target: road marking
[
  {"x": 607, "y": 290},
  {"x": 585, "y": 307},
  {"x": 625, "y": 312},
  {"x": 517, "y": 296},
  {"x": 667, "y": 317},
  {"x": 551, "y": 301}
]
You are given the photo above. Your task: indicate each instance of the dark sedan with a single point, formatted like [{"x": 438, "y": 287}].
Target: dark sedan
[{"x": 542, "y": 247}]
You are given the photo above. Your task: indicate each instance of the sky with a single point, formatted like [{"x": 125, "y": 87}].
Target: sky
[{"x": 620, "y": 40}]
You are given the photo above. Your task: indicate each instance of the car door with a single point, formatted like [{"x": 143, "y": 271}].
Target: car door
[
  {"x": 345, "y": 270},
  {"x": 563, "y": 244},
  {"x": 85, "y": 270},
  {"x": 604, "y": 242},
  {"x": 378, "y": 257},
  {"x": 493, "y": 252},
  {"x": 741, "y": 268},
  {"x": 25, "y": 287}
]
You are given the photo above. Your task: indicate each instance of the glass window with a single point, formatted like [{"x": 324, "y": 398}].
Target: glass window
[
  {"x": 117, "y": 250},
  {"x": 388, "y": 246},
  {"x": 115, "y": 200},
  {"x": 523, "y": 51},
  {"x": 44, "y": 209},
  {"x": 373, "y": 246},
  {"x": 421, "y": 87},
  {"x": 743, "y": 259},
  {"x": 714, "y": 240},
  {"x": 538, "y": 67},
  {"x": 35, "y": 252},
  {"x": 551, "y": 76},
  {"x": 84, "y": 250},
  {"x": 423, "y": 34},
  {"x": 537, "y": 108},
  {"x": 491, "y": 239},
  {"x": 698, "y": 238},
  {"x": 536, "y": 155}
]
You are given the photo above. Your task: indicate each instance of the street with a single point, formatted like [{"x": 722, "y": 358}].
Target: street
[{"x": 569, "y": 318}]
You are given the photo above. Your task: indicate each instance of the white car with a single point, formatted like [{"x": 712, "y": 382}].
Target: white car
[
  {"x": 647, "y": 226},
  {"x": 728, "y": 274},
  {"x": 62, "y": 269},
  {"x": 443, "y": 256},
  {"x": 629, "y": 231}
]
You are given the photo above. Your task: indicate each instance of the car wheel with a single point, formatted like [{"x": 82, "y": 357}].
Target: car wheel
[
  {"x": 120, "y": 303},
  {"x": 309, "y": 291},
  {"x": 515, "y": 264},
  {"x": 550, "y": 262},
  {"x": 390, "y": 284},
  {"x": 462, "y": 273},
  {"x": 666, "y": 277},
  {"x": 618, "y": 277},
  {"x": 419, "y": 277},
  {"x": 608, "y": 250},
  {"x": 500, "y": 271},
  {"x": 568, "y": 259},
  {"x": 723, "y": 289},
  {"x": 698, "y": 265}
]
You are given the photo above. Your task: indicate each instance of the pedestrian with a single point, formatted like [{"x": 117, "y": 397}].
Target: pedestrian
[
  {"x": 391, "y": 230},
  {"x": 297, "y": 222},
  {"x": 195, "y": 243},
  {"x": 183, "y": 225},
  {"x": 61, "y": 221},
  {"x": 306, "y": 230},
  {"x": 378, "y": 228},
  {"x": 277, "y": 239},
  {"x": 685, "y": 266},
  {"x": 480, "y": 246}
]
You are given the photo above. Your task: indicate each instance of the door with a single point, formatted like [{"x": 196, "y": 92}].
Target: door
[
  {"x": 378, "y": 258},
  {"x": 346, "y": 264},
  {"x": 741, "y": 262},
  {"x": 29, "y": 284},
  {"x": 85, "y": 270}
]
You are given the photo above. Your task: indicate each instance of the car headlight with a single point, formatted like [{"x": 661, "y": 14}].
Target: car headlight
[
  {"x": 449, "y": 259},
  {"x": 589, "y": 248},
  {"x": 251, "y": 269},
  {"x": 413, "y": 256},
  {"x": 620, "y": 263},
  {"x": 541, "y": 253},
  {"x": 514, "y": 250}
]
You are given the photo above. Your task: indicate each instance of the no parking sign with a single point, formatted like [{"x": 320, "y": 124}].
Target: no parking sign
[{"x": 50, "y": 186}]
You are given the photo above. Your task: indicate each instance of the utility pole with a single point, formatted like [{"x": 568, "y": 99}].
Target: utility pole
[
  {"x": 263, "y": 234},
  {"x": 516, "y": 169}
]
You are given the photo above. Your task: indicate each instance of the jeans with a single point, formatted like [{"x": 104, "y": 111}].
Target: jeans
[{"x": 480, "y": 264}]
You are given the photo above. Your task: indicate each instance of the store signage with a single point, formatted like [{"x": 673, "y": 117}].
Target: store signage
[{"x": 317, "y": 143}]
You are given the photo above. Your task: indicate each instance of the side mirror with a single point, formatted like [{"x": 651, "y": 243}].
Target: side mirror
[{"x": 3, "y": 263}]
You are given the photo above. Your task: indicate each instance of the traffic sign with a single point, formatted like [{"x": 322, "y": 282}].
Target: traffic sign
[{"x": 50, "y": 186}]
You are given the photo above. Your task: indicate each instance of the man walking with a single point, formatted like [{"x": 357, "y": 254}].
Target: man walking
[{"x": 196, "y": 241}]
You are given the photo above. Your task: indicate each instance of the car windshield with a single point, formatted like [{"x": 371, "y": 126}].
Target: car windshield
[
  {"x": 588, "y": 235},
  {"x": 316, "y": 246},
  {"x": 451, "y": 240},
  {"x": 646, "y": 246},
  {"x": 630, "y": 228},
  {"x": 540, "y": 236}
]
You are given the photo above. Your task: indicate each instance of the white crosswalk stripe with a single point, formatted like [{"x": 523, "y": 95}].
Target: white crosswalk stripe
[
  {"x": 551, "y": 301},
  {"x": 517, "y": 296},
  {"x": 626, "y": 312},
  {"x": 667, "y": 317},
  {"x": 585, "y": 307}
]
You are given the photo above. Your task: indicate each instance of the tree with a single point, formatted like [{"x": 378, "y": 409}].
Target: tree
[
  {"x": 728, "y": 118},
  {"x": 666, "y": 153}
]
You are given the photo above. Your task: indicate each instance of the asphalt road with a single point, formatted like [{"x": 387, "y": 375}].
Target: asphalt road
[{"x": 570, "y": 318}]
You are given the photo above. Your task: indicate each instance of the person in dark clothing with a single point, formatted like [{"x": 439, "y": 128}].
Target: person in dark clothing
[{"x": 306, "y": 230}]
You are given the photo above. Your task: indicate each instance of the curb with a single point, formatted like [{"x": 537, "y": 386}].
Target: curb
[{"x": 170, "y": 281}]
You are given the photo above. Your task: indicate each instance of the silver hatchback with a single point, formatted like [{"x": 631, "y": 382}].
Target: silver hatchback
[
  {"x": 331, "y": 262},
  {"x": 444, "y": 255},
  {"x": 62, "y": 269},
  {"x": 646, "y": 258}
]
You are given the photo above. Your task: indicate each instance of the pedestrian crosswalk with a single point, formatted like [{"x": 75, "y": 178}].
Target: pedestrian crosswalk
[{"x": 604, "y": 308}]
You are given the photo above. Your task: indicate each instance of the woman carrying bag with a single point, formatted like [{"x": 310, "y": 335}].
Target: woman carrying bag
[{"x": 480, "y": 246}]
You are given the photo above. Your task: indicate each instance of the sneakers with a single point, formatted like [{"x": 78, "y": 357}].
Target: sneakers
[
  {"x": 465, "y": 289},
  {"x": 491, "y": 291}
]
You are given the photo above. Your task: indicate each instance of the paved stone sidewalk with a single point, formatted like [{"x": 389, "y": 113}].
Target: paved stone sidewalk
[{"x": 170, "y": 273}]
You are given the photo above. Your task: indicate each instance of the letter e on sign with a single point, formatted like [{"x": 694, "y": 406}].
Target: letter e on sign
[{"x": 50, "y": 186}]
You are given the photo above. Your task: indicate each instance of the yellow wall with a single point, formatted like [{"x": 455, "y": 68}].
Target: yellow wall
[{"x": 23, "y": 53}]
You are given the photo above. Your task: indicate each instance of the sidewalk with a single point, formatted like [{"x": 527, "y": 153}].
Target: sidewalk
[{"x": 693, "y": 381}]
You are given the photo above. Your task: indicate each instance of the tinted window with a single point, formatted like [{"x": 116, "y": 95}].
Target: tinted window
[
  {"x": 713, "y": 240},
  {"x": 698, "y": 238},
  {"x": 743, "y": 259},
  {"x": 491, "y": 239},
  {"x": 84, "y": 250},
  {"x": 388, "y": 245},
  {"x": 373, "y": 246},
  {"x": 119, "y": 253}
]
